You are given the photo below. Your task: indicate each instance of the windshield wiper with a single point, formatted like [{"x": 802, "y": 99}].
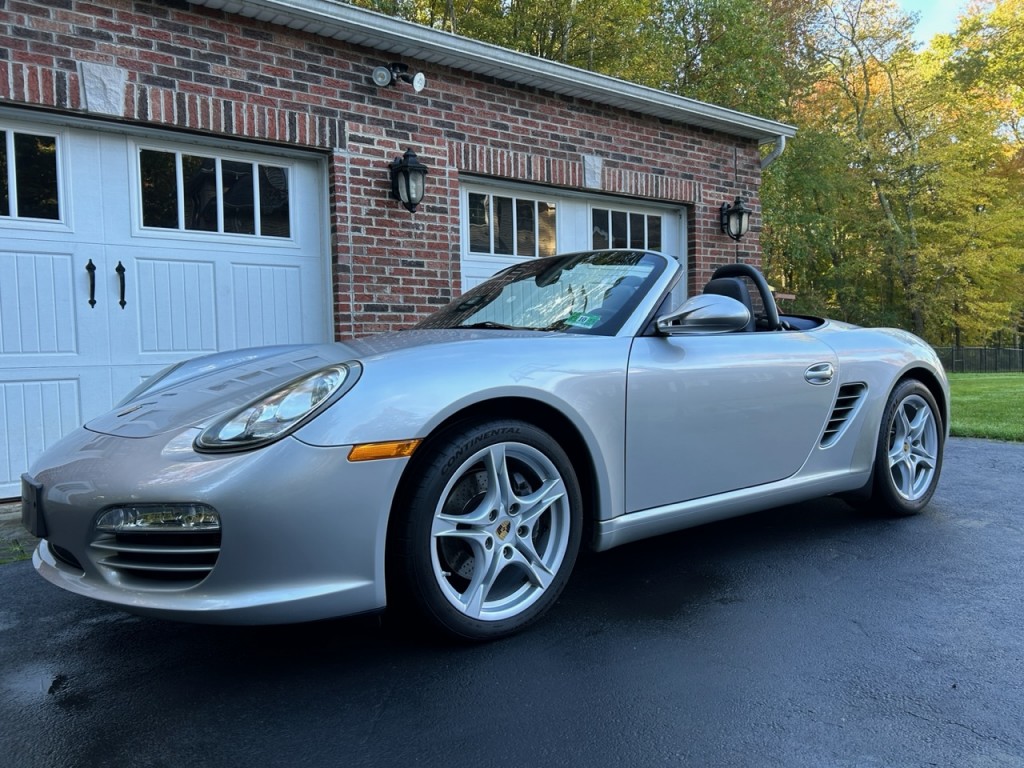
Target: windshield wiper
[
  {"x": 503, "y": 327},
  {"x": 492, "y": 324}
]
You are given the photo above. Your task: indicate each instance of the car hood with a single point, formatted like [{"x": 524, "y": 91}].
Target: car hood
[{"x": 197, "y": 391}]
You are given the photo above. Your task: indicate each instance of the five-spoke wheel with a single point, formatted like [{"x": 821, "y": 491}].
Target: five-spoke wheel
[
  {"x": 909, "y": 455},
  {"x": 492, "y": 530}
]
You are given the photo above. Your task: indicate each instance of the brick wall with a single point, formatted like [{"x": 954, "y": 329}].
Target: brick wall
[{"x": 196, "y": 69}]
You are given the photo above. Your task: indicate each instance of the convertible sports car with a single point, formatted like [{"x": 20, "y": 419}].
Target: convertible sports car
[{"x": 455, "y": 468}]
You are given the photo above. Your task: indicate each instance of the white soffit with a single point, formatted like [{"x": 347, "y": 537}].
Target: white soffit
[{"x": 403, "y": 40}]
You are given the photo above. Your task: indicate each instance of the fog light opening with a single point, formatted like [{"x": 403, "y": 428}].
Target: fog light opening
[{"x": 172, "y": 518}]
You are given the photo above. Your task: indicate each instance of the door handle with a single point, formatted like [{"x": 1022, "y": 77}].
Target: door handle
[
  {"x": 820, "y": 373},
  {"x": 91, "y": 269},
  {"x": 120, "y": 276}
]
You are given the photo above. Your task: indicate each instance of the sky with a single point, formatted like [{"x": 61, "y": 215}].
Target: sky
[{"x": 935, "y": 16}]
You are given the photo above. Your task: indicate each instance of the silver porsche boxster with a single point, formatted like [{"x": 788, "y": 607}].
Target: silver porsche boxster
[{"x": 453, "y": 470}]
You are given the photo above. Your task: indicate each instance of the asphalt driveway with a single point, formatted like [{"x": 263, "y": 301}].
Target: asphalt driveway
[{"x": 810, "y": 635}]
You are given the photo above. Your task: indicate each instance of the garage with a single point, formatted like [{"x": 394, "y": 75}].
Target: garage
[{"x": 125, "y": 252}]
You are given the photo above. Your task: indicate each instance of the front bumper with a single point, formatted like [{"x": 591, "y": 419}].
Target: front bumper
[{"x": 302, "y": 529}]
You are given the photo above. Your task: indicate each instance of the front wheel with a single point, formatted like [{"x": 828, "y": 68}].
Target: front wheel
[
  {"x": 491, "y": 529},
  {"x": 909, "y": 452}
]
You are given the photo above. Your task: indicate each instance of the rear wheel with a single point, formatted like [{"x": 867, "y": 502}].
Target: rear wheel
[
  {"x": 491, "y": 530},
  {"x": 909, "y": 452}
]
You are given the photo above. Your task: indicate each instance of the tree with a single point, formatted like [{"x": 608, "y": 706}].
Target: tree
[
  {"x": 982, "y": 65},
  {"x": 742, "y": 54},
  {"x": 608, "y": 36},
  {"x": 916, "y": 231}
]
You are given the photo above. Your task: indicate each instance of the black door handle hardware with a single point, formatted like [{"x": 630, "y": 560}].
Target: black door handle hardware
[
  {"x": 91, "y": 269},
  {"x": 120, "y": 276}
]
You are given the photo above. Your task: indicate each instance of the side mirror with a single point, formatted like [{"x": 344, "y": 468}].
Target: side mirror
[{"x": 705, "y": 315}]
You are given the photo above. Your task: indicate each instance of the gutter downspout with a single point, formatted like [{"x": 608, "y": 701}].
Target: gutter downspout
[{"x": 771, "y": 157}]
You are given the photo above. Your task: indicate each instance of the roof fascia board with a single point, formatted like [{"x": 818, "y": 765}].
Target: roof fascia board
[{"x": 405, "y": 39}]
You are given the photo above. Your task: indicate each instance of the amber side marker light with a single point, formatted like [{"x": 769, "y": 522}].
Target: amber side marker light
[{"x": 396, "y": 449}]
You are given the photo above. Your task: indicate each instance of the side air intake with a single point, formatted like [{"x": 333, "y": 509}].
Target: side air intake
[{"x": 847, "y": 402}]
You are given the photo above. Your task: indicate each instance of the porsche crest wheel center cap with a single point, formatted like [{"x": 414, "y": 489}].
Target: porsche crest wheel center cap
[{"x": 503, "y": 529}]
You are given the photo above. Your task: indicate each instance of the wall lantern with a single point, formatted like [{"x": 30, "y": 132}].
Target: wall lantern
[
  {"x": 735, "y": 218},
  {"x": 408, "y": 177}
]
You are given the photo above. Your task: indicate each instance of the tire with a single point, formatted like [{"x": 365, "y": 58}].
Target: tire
[
  {"x": 490, "y": 532},
  {"x": 908, "y": 457}
]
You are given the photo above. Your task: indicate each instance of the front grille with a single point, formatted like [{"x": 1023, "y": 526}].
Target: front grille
[
  {"x": 847, "y": 401},
  {"x": 182, "y": 557}
]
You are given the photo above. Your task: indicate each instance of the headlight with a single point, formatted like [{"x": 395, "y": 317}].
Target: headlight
[{"x": 275, "y": 415}]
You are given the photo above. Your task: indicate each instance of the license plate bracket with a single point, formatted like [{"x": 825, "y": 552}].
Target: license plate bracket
[{"x": 32, "y": 516}]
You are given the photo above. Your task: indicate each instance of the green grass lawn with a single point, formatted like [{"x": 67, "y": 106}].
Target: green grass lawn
[
  {"x": 13, "y": 551},
  {"x": 988, "y": 405}
]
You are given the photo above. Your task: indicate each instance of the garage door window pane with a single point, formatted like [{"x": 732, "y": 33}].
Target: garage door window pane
[
  {"x": 504, "y": 226},
  {"x": 654, "y": 233},
  {"x": 526, "y": 227},
  {"x": 35, "y": 163},
  {"x": 239, "y": 206},
  {"x": 637, "y": 231},
  {"x": 620, "y": 238},
  {"x": 546, "y": 244},
  {"x": 479, "y": 223},
  {"x": 159, "y": 189},
  {"x": 201, "y": 199},
  {"x": 275, "y": 213},
  {"x": 599, "y": 230}
]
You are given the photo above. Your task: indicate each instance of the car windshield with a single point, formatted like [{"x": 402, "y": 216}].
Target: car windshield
[{"x": 591, "y": 292}]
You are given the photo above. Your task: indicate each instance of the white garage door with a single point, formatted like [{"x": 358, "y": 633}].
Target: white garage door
[
  {"x": 122, "y": 254},
  {"x": 503, "y": 224}
]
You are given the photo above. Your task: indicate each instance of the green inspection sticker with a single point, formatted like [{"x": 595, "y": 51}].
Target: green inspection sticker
[{"x": 582, "y": 320}]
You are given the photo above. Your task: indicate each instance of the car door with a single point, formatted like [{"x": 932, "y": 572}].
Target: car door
[{"x": 710, "y": 414}]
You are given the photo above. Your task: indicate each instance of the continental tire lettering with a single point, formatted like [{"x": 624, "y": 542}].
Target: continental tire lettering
[{"x": 474, "y": 443}]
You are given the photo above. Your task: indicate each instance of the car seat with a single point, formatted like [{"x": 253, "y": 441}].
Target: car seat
[{"x": 734, "y": 288}]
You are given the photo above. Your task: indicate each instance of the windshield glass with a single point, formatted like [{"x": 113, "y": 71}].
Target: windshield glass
[{"x": 591, "y": 292}]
